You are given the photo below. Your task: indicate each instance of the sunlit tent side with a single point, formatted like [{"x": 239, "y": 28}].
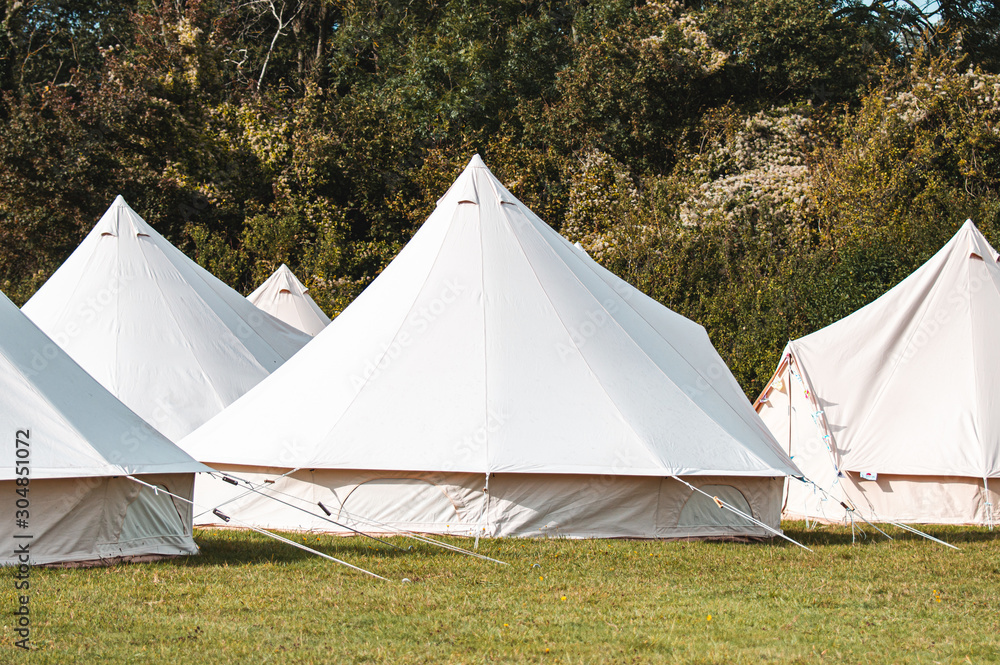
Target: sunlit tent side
[
  {"x": 67, "y": 445},
  {"x": 494, "y": 380},
  {"x": 895, "y": 409},
  {"x": 167, "y": 338},
  {"x": 284, "y": 297}
]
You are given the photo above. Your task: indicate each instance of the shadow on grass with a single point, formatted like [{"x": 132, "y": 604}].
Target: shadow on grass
[
  {"x": 236, "y": 547},
  {"x": 823, "y": 534}
]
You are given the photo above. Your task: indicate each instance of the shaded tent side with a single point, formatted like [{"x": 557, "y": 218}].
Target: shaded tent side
[
  {"x": 67, "y": 446},
  {"x": 891, "y": 408}
]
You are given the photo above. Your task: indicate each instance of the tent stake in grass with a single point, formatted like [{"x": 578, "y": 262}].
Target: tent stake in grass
[
  {"x": 854, "y": 511},
  {"x": 262, "y": 531},
  {"x": 848, "y": 508},
  {"x": 928, "y": 536}
]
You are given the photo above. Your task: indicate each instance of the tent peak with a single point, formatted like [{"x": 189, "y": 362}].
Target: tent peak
[
  {"x": 977, "y": 245},
  {"x": 169, "y": 339},
  {"x": 120, "y": 218},
  {"x": 476, "y": 162},
  {"x": 288, "y": 282},
  {"x": 285, "y": 297}
]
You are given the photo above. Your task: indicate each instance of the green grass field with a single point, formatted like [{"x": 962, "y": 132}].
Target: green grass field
[{"x": 247, "y": 599}]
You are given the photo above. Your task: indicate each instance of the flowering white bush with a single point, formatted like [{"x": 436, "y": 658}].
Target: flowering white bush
[
  {"x": 681, "y": 42},
  {"x": 977, "y": 91},
  {"x": 761, "y": 166},
  {"x": 601, "y": 195}
]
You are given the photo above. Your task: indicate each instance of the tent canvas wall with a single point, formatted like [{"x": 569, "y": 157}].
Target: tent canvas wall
[
  {"x": 284, "y": 297},
  {"x": 495, "y": 380},
  {"x": 896, "y": 408},
  {"x": 67, "y": 445},
  {"x": 167, "y": 338}
]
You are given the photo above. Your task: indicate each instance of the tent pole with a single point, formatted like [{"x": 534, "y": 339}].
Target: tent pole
[
  {"x": 262, "y": 531},
  {"x": 402, "y": 532},
  {"x": 227, "y": 477},
  {"x": 486, "y": 507},
  {"x": 788, "y": 389},
  {"x": 987, "y": 504},
  {"x": 237, "y": 498}
]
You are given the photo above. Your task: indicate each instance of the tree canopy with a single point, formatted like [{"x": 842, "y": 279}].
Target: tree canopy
[{"x": 761, "y": 166}]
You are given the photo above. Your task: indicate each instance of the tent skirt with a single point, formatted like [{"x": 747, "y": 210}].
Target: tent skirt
[{"x": 511, "y": 504}]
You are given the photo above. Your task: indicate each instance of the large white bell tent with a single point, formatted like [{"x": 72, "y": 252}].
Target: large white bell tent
[
  {"x": 895, "y": 409},
  {"x": 494, "y": 380},
  {"x": 284, "y": 297},
  {"x": 166, "y": 337},
  {"x": 67, "y": 446}
]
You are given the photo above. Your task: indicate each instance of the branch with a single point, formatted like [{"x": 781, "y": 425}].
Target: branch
[{"x": 282, "y": 24}]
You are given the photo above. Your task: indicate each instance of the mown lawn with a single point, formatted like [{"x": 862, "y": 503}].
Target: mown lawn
[{"x": 247, "y": 599}]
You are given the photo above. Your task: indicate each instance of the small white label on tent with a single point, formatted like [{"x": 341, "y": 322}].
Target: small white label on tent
[{"x": 869, "y": 475}]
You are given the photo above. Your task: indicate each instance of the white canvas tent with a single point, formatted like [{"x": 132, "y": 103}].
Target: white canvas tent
[
  {"x": 895, "y": 409},
  {"x": 284, "y": 297},
  {"x": 166, "y": 337},
  {"x": 495, "y": 380},
  {"x": 77, "y": 443}
]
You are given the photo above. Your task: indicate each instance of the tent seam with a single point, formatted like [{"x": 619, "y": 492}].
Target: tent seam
[
  {"x": 637, "y": 346},
  {"x": 754, "y": 426},
  {"x": 917, "y": 320},
  {"x": 579, "y": 353},
  {"x": 402, "y": 323},
  {"x": 180, "y": 329}
]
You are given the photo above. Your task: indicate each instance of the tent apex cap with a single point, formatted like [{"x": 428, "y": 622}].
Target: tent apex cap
[{"x": 476, "y": 162}]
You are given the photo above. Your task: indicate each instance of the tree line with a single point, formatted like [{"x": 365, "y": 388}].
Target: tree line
[{"x": 764, "y": 167}]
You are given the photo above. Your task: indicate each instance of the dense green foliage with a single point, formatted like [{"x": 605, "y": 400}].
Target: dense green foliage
[{"x": 762, "y": 166}]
